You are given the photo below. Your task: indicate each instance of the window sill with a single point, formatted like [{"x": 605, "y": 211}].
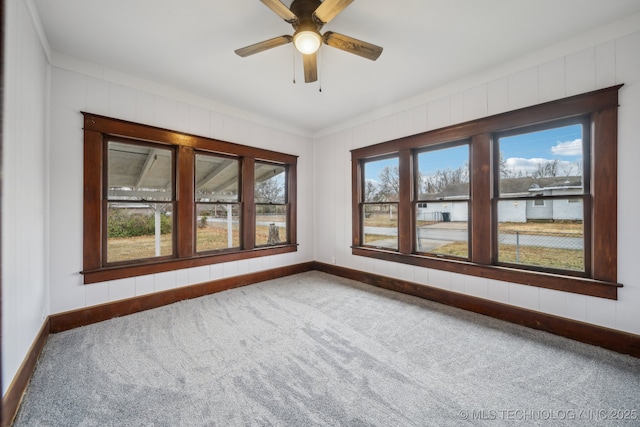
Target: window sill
[
  {"x": 577, "y": 285},
  {"x": 125, "y": 271}
]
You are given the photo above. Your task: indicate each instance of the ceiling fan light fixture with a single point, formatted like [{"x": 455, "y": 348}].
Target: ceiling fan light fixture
[
  {"x": 307, "y": 17},
  {"x": 307, "y": 42}
]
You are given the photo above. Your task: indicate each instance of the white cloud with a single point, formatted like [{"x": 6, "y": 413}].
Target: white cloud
[
  {"x": 568, "y": 148},
  {"x": 518, "y": 164}
]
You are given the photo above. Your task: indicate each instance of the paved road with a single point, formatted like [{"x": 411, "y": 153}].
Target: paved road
[
  {"x": 448, "y": 232},
  {"x": 279, "y": 224}
]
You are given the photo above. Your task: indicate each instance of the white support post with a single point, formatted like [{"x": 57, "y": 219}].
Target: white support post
[
  {"x": 229, "y": 227},
  {"x": 158, "y": 234}
]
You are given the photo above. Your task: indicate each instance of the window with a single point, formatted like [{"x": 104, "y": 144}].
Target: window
[
  {"x": 271, "y": 204},
  {"x": 140, "y": 201},
  {"x": 540, "y": 170},
  {"x": 217, "y": 202},
  {"x": 443, "y": 180},
  {"x": 527, "y": 196},
  {"x": 157, "y": 200},
  {"x": 380, "y": 203}
]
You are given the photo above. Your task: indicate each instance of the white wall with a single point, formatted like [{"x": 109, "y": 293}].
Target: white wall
[
  {"x": 586, "y": 63},
  {"x": 43, "y": 172},
  {"x": 24, "y": 293},
  {"x": 512, "y": 211},
  {"x": 73, "y": 92}
]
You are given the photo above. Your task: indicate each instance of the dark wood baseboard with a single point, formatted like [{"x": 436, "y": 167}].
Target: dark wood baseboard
[
  {"x": 612, "y": 339},
  {"x": 12, "y": 398},
  {"x": 621, "y": 342}
]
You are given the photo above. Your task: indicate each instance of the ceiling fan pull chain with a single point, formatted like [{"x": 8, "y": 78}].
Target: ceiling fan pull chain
[
  {"x": 319, "y": 71},
  {"x": 293, "y": 55}
]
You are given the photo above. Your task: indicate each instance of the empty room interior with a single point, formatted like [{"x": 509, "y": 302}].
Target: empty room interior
[{"x": 313, "y": 212}]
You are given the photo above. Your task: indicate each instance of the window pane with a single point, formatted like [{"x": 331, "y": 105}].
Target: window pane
[
  {"x": 381, "y": 225},
  {"x": 381, "y": 180},
  {"x": 443, "y": 174},
  {"x": 547, "y": 162},
  {"x": 550, "y": 235},
  {"x": 271, "y": 224},
  {"x": 218, "y": 226},
  {"x": 139, "y": 230},
  {"x": 442, "y": 184},
  {"x": 442, "y": 228},
  {"x": 216, "y": 179},
  {"x": 270, "y": 185},
  {"x": 139, "y": 172}
]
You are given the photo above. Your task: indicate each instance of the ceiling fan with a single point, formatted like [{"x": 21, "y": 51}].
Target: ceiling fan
[{"x": 307, "y": 18}]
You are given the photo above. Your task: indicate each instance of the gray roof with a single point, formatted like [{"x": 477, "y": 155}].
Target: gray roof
[{"x": 524, "y": 186}]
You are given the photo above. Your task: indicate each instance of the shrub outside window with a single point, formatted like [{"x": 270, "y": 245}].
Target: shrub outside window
[
  {"x": 158, "y": 200},
  {"x": 140, "y": 201}
]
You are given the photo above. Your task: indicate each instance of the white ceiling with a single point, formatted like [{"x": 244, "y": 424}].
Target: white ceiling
[{"x": 189, "y": 45}]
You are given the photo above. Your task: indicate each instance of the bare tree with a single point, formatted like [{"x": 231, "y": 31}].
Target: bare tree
[
  {"x": 371, "y": 191},
  {"x": 270, "y": 190},
  {"x": 442, "y": 178},
  {"x": 389, "y": 183},
  {"x": 571, "y": 168},
  {"x": 504, "y": 171},
  {"x": 388, "y": 187},
  {"x": 546, "y": 169}
]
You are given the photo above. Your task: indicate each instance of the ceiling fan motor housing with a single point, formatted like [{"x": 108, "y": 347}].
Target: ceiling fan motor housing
[{"x": 304, "y": 9}]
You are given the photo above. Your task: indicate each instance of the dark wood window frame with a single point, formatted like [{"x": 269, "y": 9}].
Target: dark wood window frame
[
  {"x": 236, "y": 202},
  {"x": 540, "y": 201},
  {"x": 106, "y": 200},
  {"x": 601, "y": 108},
  {"x": 285, "y": 203},
  {"x": 416, "y": 190},
  {"x": 97, "y": 129}
]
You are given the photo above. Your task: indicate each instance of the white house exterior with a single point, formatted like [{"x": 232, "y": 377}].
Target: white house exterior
[{"x": 447, "y": 208}]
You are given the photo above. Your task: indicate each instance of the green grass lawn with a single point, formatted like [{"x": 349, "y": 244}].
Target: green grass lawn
[
  {"x": 564, "y": 259},
  {"x": 212, "y": 237}
]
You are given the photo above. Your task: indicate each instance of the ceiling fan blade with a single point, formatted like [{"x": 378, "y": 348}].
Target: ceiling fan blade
[
  {"x": 310, "y": 63},
  {"x": 329, "y": 9},
  {"x": 351, "y": 45},
  {"x": 281, "y": 10},
  {"x": 267, "y": 44}
]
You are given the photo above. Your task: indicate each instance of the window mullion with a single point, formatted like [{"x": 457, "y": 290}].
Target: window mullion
[
  {"x": 248, "y": 217},
  {"x": 185, "y": 218},
  {"x": 480, "y": 214},
  {"x": 405, "y": 212}
]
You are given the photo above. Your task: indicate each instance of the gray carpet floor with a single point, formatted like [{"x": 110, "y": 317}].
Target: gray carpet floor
[{"x": 314, "y": 349}]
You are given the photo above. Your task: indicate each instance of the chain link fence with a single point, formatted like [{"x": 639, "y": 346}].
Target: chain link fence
[{"x": 549, "y": 249}]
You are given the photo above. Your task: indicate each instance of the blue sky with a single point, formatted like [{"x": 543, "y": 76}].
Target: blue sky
[
  {"x": 524, "y": 152},
  {"x": 521, "y": 152}
]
